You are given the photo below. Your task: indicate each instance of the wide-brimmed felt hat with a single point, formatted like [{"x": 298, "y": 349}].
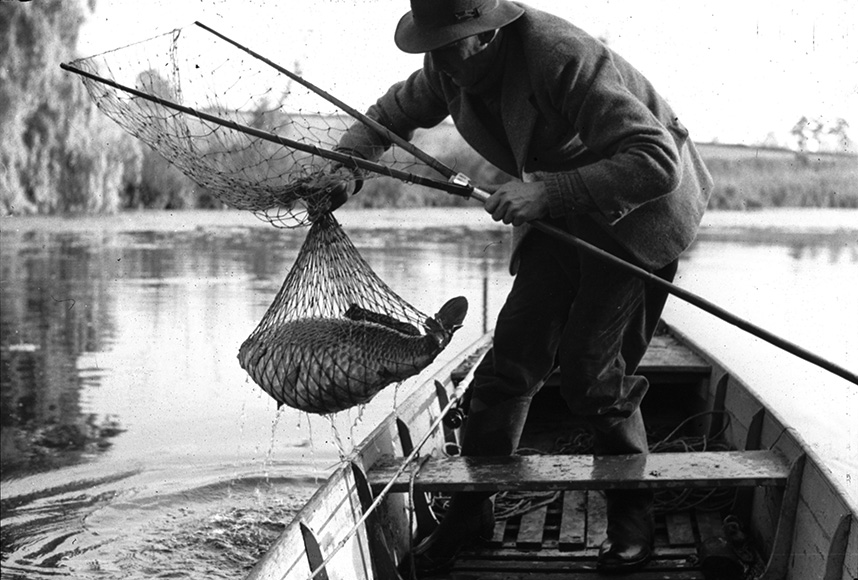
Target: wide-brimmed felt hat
[{"x": 431, "y": 24}]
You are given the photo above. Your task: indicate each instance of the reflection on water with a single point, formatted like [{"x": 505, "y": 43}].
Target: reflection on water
[
  {"x": 132, "y": 442},
  {"x": 128, "y": 428},
  {"x": 800, "y": 288},
  {"x": 61, "y": 305},
  {"x": 44, "y": 331}
]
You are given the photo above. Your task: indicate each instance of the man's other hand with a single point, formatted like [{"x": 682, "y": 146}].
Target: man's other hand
[
  {"x": 517, "y": 203},
  {"x": 338, "y": 185}
]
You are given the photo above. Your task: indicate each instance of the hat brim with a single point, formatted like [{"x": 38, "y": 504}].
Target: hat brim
[{"x": 412, "y": 38}]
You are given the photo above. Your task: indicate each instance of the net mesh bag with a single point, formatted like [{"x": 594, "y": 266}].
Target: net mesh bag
[
  {"x": 193, "y": 68},
  {"x": 335, "y": 334}
]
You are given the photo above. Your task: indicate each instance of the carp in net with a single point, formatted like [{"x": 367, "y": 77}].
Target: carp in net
[{"x": 335, "y": 334}]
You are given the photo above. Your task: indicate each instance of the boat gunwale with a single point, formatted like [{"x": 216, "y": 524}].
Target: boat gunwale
[
  {"x": 814, "y": 458},
  {"x": 417, "y": 402},
  {"x": 827, "y": 513}
]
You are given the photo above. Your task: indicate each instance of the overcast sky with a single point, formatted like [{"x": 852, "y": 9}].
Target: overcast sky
[{"x": 734, "y": 70}]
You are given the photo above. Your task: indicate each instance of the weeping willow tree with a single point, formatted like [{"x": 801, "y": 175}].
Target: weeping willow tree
[{"x": 57, "y": 151}]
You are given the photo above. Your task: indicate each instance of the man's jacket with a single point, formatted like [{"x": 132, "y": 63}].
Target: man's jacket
[{"x": 579, "y": 118}]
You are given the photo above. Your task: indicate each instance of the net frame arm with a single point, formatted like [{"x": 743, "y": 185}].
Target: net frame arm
[{"x": 350, "y": 161}]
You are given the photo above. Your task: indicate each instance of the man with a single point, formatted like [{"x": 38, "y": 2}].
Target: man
[{"x": 601, "y": 155}]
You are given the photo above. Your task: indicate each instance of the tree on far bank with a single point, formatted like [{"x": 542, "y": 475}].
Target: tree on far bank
[
  {"x": 58, "y": 153},
  {"x": 814, "y": 134},
  {"x": 840, "y": 130}
]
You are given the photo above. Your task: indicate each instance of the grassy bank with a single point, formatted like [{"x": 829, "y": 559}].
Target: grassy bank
[
  {"x": 745, "y": 177},
  {"x": 755, "y": 177}
]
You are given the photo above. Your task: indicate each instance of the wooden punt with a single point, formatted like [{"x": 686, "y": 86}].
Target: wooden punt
[{"x": 778, "y": 515}]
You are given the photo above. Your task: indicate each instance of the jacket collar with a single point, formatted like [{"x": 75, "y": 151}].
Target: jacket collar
[{"x": 519, "y": 114}]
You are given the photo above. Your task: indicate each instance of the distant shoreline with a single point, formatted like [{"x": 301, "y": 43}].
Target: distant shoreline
[
  {"x": 772, "y": 223},
  {"x": 710, "y": 147}
]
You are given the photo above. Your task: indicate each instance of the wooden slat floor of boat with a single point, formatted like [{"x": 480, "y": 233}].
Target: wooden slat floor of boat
[{"x": 562, "y": 540}]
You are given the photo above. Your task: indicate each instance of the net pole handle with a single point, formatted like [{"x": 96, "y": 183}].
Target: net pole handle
[{"x": 482, "y": 195}]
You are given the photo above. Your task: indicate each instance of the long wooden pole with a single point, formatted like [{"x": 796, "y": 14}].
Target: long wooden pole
[
  {"x": 693, "y": 299},
  {"x": 459, "y": 185}
]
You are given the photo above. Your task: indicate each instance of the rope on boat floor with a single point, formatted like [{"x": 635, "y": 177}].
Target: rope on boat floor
[{"x": 676, "y": 500}]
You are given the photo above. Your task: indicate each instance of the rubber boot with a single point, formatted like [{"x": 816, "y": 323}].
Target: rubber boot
[
  {"x": 470, "y": 516},
  {"x": 628, "y": 545},
  {"x": 630, "y": 532}
]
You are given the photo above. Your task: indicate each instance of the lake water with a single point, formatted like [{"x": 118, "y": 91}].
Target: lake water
[{"x": 133, "y": 444}]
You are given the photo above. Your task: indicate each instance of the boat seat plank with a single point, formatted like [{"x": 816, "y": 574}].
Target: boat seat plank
[
  {"x": 667, "y": 355},
  {"x": 666, "y": 361},
  {"x": 570, "y": 472}
]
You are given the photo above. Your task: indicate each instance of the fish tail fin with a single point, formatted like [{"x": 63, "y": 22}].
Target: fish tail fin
[
  {"x": 452, "y": 314},
  {"x": 449, "y": 318}
]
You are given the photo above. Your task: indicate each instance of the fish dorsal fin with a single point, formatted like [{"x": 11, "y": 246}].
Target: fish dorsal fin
[{"x": 359, "y": 314}]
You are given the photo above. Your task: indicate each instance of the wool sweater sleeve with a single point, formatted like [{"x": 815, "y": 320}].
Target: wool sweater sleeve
[{"x": 404, "y": 108}]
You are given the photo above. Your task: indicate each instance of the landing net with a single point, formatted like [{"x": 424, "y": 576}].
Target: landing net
[
  {"x": 192, "y": 67},
  {"x": 335, "y": 334}
]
